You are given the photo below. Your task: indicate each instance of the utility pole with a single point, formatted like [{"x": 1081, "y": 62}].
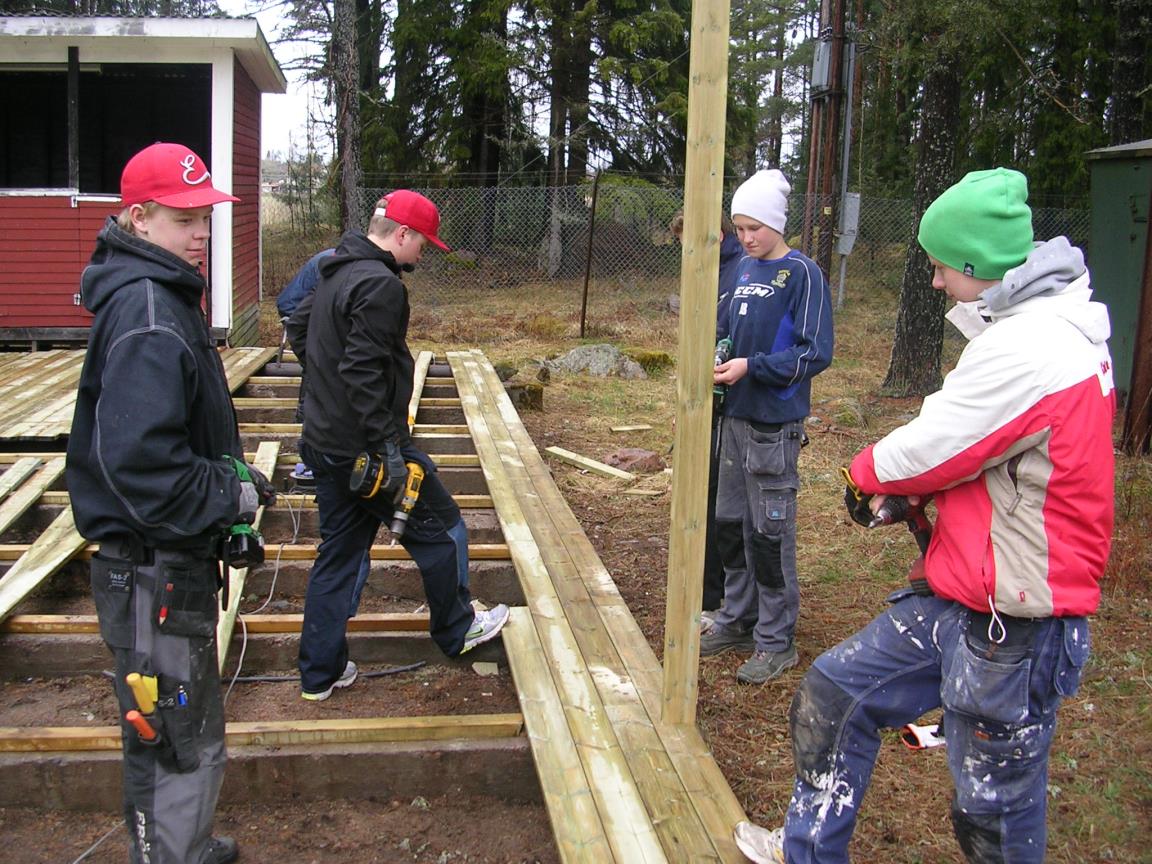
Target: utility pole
[{"x": 827, "y": 100}]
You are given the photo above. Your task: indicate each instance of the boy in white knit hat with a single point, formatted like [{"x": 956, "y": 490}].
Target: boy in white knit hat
[{"x": 780, "y": 324}]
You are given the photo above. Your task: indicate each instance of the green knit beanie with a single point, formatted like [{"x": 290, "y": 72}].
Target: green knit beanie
[{"x": 982, "y": 226}]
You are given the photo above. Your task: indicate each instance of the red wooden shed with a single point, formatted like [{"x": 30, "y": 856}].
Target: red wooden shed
[{"x": 79, "y": 96}]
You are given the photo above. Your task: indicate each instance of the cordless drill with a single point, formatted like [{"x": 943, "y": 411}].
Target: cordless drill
[
  {"x": 242, "y": 546},
  {"x": 723, "y": 355},
  {"x": 407, "y": 500},
  {"x": 895, "y": 508}
]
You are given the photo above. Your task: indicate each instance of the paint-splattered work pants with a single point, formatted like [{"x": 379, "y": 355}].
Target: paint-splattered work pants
[
  {"x": 756, "y": 529},
  {"x": 999, "y": 688}
]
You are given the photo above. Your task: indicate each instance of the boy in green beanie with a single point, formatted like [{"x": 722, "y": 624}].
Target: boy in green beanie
[{"x": 1015, "y": 450}]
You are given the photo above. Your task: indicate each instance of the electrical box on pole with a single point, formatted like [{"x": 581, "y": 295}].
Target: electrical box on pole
[
  {"x": 849, "y": 223},
  {"x": 821, "y": 67}
]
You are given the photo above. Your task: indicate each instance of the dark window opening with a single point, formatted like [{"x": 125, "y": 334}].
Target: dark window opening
[{"x": 122, "y": 108}]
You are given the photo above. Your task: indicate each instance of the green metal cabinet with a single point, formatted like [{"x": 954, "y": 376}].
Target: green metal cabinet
[{"x": 1121, "y": 195}]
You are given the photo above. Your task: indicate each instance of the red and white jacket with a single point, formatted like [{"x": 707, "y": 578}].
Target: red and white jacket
[{"x": 1016, "y": 448}]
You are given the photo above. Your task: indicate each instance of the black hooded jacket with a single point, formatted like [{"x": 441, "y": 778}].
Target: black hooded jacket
[
  {"x": 351, "y": 336},
  {"x": 153, "y": 413}
]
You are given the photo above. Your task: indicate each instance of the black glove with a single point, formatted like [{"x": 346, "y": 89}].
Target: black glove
[
  {"x": 264, "y": 488},
  {"x": 411, "y": 453},
  {"x": 397, "y": 471},
  {"x": 379, "y": 473}
]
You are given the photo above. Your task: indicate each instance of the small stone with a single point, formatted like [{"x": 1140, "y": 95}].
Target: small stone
[{"x": 485, "y": 669}]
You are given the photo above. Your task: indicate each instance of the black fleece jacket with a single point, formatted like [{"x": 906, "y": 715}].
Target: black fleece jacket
[
  {"x": 351, "y": 336},
  {"x": 153, "y": 413}
]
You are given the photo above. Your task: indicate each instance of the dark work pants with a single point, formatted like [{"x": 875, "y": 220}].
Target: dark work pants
[
  {"x": 435, "y": 538},
  {"x": 170, "y": 786},
  {"x": 713, "y": 551}
]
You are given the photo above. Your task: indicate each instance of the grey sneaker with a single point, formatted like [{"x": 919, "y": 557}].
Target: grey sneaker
[
  {"x": 345, "y": 680},
  {"x": 485, "y": 626},
  {"x": 759, "y": 844},
  {"x": 717, "y": 639},
  {"x": 766, "y": 665}
]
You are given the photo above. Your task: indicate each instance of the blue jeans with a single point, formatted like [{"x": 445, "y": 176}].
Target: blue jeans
[
  {"x": 435, "y": 538},
  {"x": 999, "y": 704}
]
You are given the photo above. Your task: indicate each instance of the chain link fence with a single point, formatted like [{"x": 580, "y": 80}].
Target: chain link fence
[{"x": 516, "y": 238}]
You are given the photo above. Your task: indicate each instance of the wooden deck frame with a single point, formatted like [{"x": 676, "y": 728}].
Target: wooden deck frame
[
  {"x": 619, "y": 781},
  {"x": 605, "y": 679}
]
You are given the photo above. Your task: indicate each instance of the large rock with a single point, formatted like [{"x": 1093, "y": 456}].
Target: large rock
[{"x": 599, "y": 360}]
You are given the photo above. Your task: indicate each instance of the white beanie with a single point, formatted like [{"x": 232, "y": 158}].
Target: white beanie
[{"x": 763, "y": 197}]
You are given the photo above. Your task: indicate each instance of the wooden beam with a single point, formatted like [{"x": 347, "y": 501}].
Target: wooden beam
[
  {"x": 294, "y": 500},
  {"x": 17, "y": 474},
  {"x": 265, "y": 462},
  {"x": 286, "y": 551},
  {"x": 576, "y": 824},
  {"x": 35, "y": 563},
  {"x": 703, "y": 189},
  {"x": 278, "y": 733},
  {"x": 18, "y": 503},
  {"x": 588, "y": 464},
  {"x": 364, "y": 622}
]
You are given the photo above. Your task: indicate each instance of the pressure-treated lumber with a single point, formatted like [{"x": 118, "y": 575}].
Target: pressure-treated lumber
[
  {"x": 17, "y": 503},
  {"x": 576, "y": 824},
  {"x": 286, "y": 551},
  {"x": 364, "y": 622},
  {"x": 630, "y": 831},
  {"x": 265, "y": 462},
  {"x": 293, "y": 500},
  {"x": 21, "y": 469},
  {"x": 703, "y": 186},
  {"x": 279, "y": 733},
  {"x": 628, "y": 675},
  {"x": 589, "y": 464},
  {"x": 36, "y": 562}
]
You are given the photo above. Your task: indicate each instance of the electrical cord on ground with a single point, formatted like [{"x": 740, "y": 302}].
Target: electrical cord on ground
[{"x": 96, "y": 845}]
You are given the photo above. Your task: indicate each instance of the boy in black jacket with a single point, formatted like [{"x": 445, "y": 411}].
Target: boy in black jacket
[
  {"x": 156, "y": 475},
  {"x": 351, "y": 333}
]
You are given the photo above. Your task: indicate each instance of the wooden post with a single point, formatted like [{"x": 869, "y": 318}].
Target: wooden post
[{"x": 700, "y": 261}]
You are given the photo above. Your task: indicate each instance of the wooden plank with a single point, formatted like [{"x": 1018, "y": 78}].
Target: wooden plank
[
  {"x": 244, "y": 361},
  {"x": 629, "y": 828},
  {"x": 21, "y": 469},
  {"x": 296, "y": 500},
  {"x": 576, "y": 824},
  {"x": 639, "y": 427},
  {"x": 287, "y": 551},
  {"x": 279, "y": 733},
  {"x": 583, "y": 578},
  {"x": 364, "y": 622},
  {"x": 588, "y": 464},
  {"x": 265, "y": 462},
  {"x": 419, "y": 375},
  {"x": 17, "y": 505},
  {"x": 51, "y": 551}
]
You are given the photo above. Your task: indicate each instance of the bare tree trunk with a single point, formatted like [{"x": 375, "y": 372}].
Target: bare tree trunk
[
  {"x": 1130, "y": 66},
  {"x": 914, "y": 368},
  {"x": 347, "y": 78}
]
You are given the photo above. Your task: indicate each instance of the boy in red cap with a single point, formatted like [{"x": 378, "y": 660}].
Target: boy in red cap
[
  {"x": 351, "y": 335},
  {"x": 154, "y": 473}
]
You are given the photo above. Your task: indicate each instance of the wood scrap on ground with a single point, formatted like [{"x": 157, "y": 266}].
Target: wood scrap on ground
[{"x": 589, "y": 464}]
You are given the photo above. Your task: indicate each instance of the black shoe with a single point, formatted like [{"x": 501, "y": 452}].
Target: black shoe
[{"x": 221, "y": 850}]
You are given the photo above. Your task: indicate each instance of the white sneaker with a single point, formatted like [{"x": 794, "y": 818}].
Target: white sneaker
[
  {"x": 706, "y": 620},
  {"x": 345, "y": 680},
  {"x": 759, "y": 844},
  {"x": 485, "y": 626}
]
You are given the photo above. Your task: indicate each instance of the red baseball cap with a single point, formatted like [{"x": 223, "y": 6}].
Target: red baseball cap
[
  {"x": 169, "y": 174},
  {"x": 406, "y": 207}
]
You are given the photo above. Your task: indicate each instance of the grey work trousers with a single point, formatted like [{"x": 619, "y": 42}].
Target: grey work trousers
[
  {"x": 158, "y": 612},
  {"x": 756, "y": 502}
]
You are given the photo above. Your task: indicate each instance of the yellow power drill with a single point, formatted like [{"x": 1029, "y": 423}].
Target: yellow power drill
[{"x": 407, "y": 500}]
